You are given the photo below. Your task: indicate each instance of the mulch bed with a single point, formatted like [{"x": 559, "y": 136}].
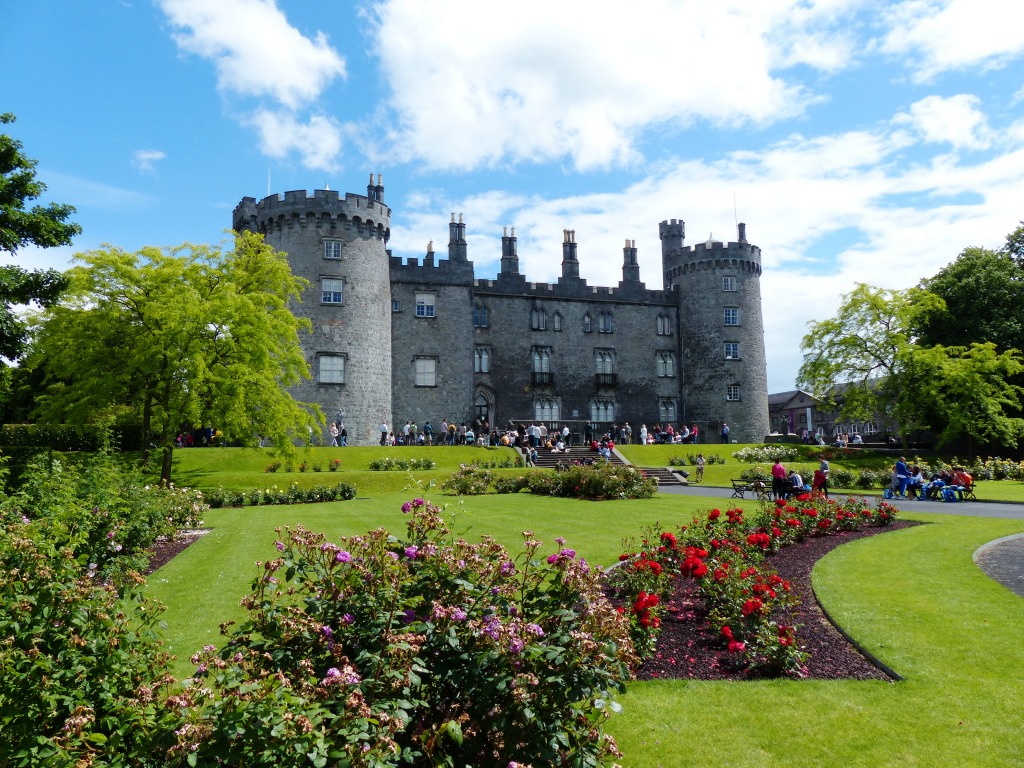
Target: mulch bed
[
  {"x": 163, "y": 551},
  {"x": 689, "y": 649}
]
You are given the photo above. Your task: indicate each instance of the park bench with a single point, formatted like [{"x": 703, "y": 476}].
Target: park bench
[{"x": 756, "y": 487}]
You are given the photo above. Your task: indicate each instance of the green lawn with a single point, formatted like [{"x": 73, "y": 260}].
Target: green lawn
[{"x": 913, "y": 597}]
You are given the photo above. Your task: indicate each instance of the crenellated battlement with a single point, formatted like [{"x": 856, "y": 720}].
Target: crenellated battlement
[
  {"x": 427, "y": 270},
  {"x": 324, "y": 208},
  {"x": 572, "y": 291}
]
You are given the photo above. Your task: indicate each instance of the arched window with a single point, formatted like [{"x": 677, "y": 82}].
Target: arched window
[
  {"x": 480, "y": 319},
  {"x": 667, "y": 410},
  {"x": 586, "y": 323},
  {"x": 556, "y": 322},
  {"x": 538, "y": 319},
  {"x": 602, "y": 410},
  {"x": 604, "y": 322},
  {"x": 664, "y": 325},
  {"x": 541, "y": 360},
  {"x": 546, "y": 409},
  {"x": 481, "y": 360}
]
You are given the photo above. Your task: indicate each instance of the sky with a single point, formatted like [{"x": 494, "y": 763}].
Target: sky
[{"x": 859, "y": 141}]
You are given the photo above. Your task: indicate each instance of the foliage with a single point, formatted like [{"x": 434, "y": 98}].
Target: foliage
[
  {"x": 184, "y": 337},
  {"x": 983, "y": 292},
  {"x": 766, "y": 454},
  {"x": 45, "y": 227},
  {"x": 391, "y": 464},
  {"x": 865, "y": 353},
  {"x": 425, "y": 651},
  {"x": 594, "y": 481},
  {"x": 82, "y": 664},
  {"x": 104, "y": 513},
  {"x": 293, "y": 494},
  {"x": 752, "y": 474}
]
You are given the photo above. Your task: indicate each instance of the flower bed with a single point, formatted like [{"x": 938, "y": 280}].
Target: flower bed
[{"x": 724, "y": 556}]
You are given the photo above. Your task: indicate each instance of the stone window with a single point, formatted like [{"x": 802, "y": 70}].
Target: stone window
[
  {"x": 732, "y": 393},
  {"x": 602, "y": 410},
  {"x": 426, "y": 371},
  {"x": 604, "y": 322},
  {"x": 586, "y": 323},
  {"x": 480, "y": 319},
  {"x": 604, "y": 361},
  {"x": 538, "y": 319},
  {"x": 426, "y": 305},
  {"x": 732, "y": 316},
  {"x": 556, "y": 322},
  {"x": 332, "y": 290},
  {"x": 481, "y": 360},
  {"x": 332, "y": 249},
  {"x": 666, "y": 409},
  {"x": 541, "y": 360},
  {"x": 666, "y": 364},
  {"x": 330, "y": 369},
  {"x": 728, "y": 284},
  {"x": 396, "y": 306},
  {"x": 732, "y": 350},
  {"x": 664, "y": 325},
  {"x": 546, "y": 409}
]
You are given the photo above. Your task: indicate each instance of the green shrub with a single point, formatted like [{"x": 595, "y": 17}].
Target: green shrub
[
  {"x": 391, "y": 464},
  {"x": 467, "y": 481},
  {"x": 272, "y": 495},
  {"x": 83, "y": 671},
  {"x": 766, "y": 454},
  {"x": 422, "y": 651}
]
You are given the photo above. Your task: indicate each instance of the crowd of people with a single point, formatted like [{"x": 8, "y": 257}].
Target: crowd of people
[
  {"x": 787, "y": 483},
  {"x": 908, "y": 481}
]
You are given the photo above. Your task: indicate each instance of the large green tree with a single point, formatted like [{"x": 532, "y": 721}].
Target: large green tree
[
  {"x": 42, "y": 226},
  {"x": 867, "y": 352},
  {"x": 984, "y": 295},
  {"x": 181, "y": 338}
]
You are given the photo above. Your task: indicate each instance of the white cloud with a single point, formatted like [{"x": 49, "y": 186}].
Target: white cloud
[
  {"x": 476, "y": 84},
  {"x": 943, "y": 35},
  {"x": 317, "y": 141},
  {"x": 255, "y": 50},
  {"x": 955, "y": 120},
  {"x": 146, "y": 159}
]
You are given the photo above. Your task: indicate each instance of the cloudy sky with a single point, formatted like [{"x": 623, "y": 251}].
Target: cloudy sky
[{"x": 860, "y": 141}]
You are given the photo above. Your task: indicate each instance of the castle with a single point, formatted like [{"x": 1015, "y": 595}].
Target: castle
[{"x": 425, "y": 339}]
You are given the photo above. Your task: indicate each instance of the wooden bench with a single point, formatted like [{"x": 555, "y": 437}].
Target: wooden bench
[{"x": 742, "y": 487}]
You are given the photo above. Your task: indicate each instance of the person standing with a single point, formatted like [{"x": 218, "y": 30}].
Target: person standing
[
  {"x": 383, "y": 433},
  {"x": 700, "y": 468},
  {"x": 824, "y": 469},
  {"x": 428, "y": 433},
  {"x": 343, "y": 436},
  {"x": 693, "y": 435},
  {"x": 780, "y": 480},
  {"x": 643, "y": 434},
  {"x": 334, "y": 434},
  {"x": 725, "y": 432},
  {"x": 901, "y": 473}
]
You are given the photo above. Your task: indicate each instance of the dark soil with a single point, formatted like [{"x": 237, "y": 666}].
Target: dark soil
[
  {"x": 689, "y": 649},
  {"x": 163, "y": 551}
]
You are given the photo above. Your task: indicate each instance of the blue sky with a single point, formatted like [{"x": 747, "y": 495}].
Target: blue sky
[{"x": 859, "y": 141}]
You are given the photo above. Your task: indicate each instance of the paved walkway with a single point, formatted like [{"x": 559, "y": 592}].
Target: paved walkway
[{"x": 1002, "y": 559}]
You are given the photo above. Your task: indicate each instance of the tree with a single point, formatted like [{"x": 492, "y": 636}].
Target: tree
[
  {"x": 971, "y": 392},
  {"x": 181, "y": 338},
  {"x": 869, "y": 347},
  {"x": 45, "y": 227},
  {"x": 984, "y": 292}
]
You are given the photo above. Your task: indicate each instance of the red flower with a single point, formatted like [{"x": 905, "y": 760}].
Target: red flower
[
  {"x": 754, "y": 605},
  {"x": 735, "y": 646},
  {"x": 726, "y": 632},
  {"x": 714, "y": 514}
]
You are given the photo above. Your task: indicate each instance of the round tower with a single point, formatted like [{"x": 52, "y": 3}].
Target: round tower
[
  {"x": 337, "y": 243},
  {"x": 721, "y": 332}
]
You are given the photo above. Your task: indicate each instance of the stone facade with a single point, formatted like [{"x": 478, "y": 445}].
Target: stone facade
[{"x": 425, "y": 339}]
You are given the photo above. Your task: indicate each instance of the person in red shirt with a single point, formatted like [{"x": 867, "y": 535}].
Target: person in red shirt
[{"x": 780, "y": 480}]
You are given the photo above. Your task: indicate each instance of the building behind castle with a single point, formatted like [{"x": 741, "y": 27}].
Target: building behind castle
[{"x": 425, "y": 339}]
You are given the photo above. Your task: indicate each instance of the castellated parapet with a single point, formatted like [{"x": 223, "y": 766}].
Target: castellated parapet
[{"x": 425, "y": 339}]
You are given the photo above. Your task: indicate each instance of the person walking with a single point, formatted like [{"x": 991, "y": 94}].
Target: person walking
[
  {"x": 343, "y": 436},
  {"x": 334, "y": 434},
  {"x": 699, "y": 477},
  {"x": 725, "y": 432}
]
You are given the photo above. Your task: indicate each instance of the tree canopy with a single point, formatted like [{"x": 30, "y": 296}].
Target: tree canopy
[
  {"x": 984, "y": 293},
  {"x": 179, "y": 338},
  {"x": 43, "y": 226}
]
